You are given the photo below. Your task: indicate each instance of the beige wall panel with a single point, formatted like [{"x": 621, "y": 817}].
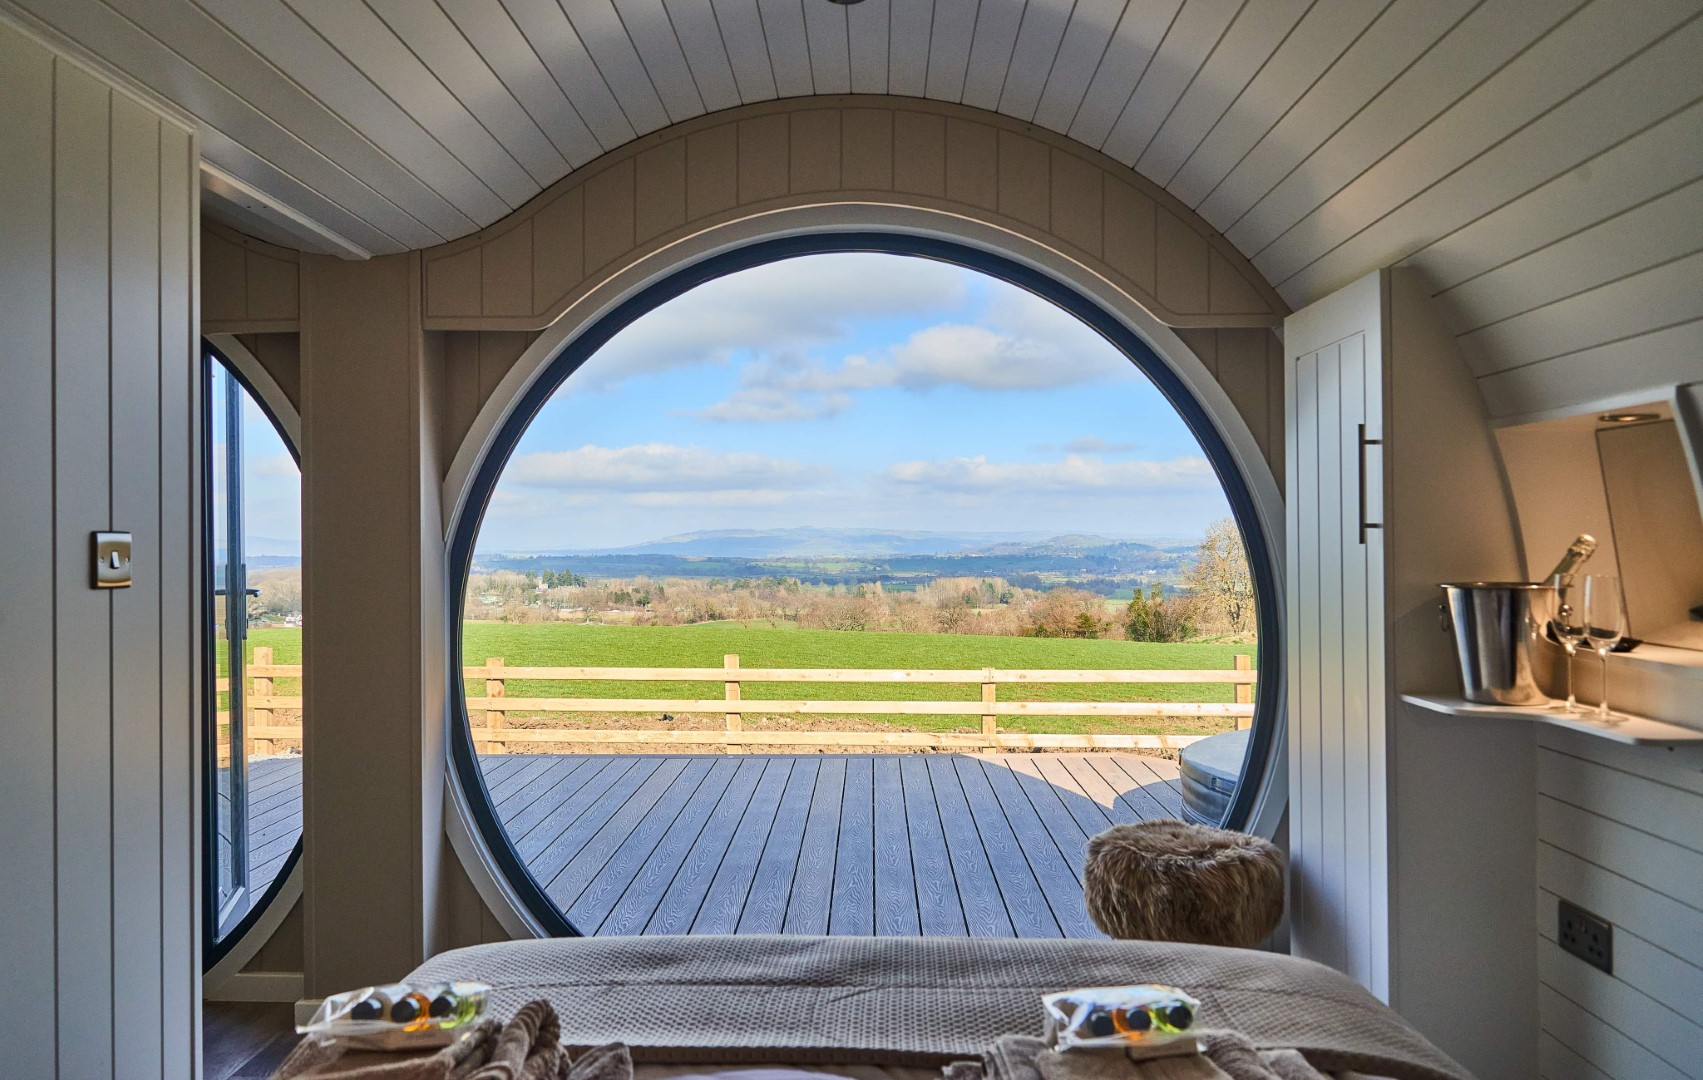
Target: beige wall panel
[
  {"x": 972, "y": 163},
  {"x": 608, "y": 215},
  {"x": 281, "y": 356},
  {"x": 273, "y": 288},
  {"x": 763, "y": 158},
  {"x": 462, "y": 394},
  {"x": 712, "y": 171},
  {"x": 505, "y": 272},
  {"x": 813, "y": 150},
  {"x": 866, "y": 157},
  {"x": 1132, "y": 234},
  {"x": 919, "y": 153},
  {"x": 247, "y": 285},
  {"x": 935, "y": 157},
  {"x": 224, "y": 278},
  {"x": 1078, "y": 202},
  {"x": 454, "y": 282},
  {"x": 363, "y": 916},
  {"x": 1229, "y": 292},
  {"x": 283, "y": 950},
  {"x": 1243, "y": 371},
  {"x": 1183, "y": 265},
  {"x": 558, "y": 249},
  {"x": 1025, "y": 175},
  {"x": 660, "y": 190},
  {"x": 498, "y": 350}
]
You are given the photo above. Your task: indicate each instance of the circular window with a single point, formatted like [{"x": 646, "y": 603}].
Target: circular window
[
  {"x": 846, "y": 584},
  {"x": 252, "y": 641}
]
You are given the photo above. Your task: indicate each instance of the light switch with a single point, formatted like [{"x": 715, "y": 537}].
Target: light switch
[{"x": 112, "y": 560}]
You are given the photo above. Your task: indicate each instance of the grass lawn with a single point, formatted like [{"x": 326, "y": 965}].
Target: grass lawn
[{"x": 784, "y": 646}]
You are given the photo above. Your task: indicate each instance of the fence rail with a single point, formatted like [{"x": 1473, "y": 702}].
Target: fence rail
[{"x": 495, "y": 735}]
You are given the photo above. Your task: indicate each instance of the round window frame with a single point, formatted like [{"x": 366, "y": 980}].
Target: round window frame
[
  {"x": 1266, "y": 740},
  {"x": 261, "y": 918}
]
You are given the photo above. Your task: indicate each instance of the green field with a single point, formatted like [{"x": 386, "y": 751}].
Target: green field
[{"x": 565, "y": 645}]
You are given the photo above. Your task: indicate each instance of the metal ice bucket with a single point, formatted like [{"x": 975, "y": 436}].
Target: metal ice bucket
[{"x": 1495, "y": 628}]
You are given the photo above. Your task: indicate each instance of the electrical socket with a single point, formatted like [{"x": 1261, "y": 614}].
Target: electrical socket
[{"x": 1589, "y": 937}]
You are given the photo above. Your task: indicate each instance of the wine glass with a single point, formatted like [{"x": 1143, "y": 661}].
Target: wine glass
[
  {"x": 1604, "y": 618},
  {"x": 1567, "y": 622}
]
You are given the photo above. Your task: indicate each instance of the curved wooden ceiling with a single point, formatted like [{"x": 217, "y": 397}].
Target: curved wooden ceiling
[{"x": 1538, "y": 159}]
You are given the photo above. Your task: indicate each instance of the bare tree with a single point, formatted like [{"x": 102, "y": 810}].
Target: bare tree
[{"x": 1221, "y": 582}]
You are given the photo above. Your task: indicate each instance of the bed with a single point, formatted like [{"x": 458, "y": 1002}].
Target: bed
[{"x": 845, "y": 1002}]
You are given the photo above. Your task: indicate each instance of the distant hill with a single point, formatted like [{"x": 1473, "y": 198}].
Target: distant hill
[{"x": 823, "y": 543}]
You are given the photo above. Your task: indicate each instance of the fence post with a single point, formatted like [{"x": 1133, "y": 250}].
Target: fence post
[
  {"x": 1244, "y": 691},
  {"x": 735, "y": 720},
  {"x": 262, "y": 717},
  {"x": 495, "y": 719},
  {"x": 990, "y": 721}
]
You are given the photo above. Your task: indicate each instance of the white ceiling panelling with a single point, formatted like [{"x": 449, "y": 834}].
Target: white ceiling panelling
[
  {"x": 868, "y": 26},
  {"x": 991, "y": 60},
  {"x": 827, "y": 35},
  {"x": 1033, "y": 56},
  {"x": 699, "y": 35},
  {"x": 505, "y": 52},
  {"x": 950, "y": 37},
  {"x": 1187, "y": 46},
  {"x": 1140, "y": 33},
  {"x": 1259, "y": 30},
  {"x": 747, "y": 49},
  {"x": 613, "y": 50},
  {"x": 1537, "y": 159}
]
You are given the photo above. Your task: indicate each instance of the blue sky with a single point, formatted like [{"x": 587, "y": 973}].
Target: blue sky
[{"x": 852, "y": 390}]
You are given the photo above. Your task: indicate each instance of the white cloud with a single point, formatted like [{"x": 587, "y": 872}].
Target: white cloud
[
  {"x": 1076, "y": 472},
  {"x": 659, "y": 467},
  {"x": 1025, "y": 344},
  {"x": 783, "y": 306}
]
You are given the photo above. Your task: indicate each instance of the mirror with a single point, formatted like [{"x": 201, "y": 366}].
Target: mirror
[{"x": 1658, "y": 530}]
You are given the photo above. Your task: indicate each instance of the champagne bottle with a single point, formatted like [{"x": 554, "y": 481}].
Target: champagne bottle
[{"x": 1577, "y": 552}]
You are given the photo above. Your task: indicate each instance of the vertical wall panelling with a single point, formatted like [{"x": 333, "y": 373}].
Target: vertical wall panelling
[
  {"x": 82, "y": 477},
  {"x": 98, "y": 777},
  {"x": 27, "y": 585},
  {"x": 1390, "y": 826}
]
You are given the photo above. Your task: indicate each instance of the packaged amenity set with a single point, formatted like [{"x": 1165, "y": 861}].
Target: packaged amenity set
[{"x": 400, "y": 1016}]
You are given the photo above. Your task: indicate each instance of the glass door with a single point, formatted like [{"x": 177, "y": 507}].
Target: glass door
[{"x": 228, "y": 619}]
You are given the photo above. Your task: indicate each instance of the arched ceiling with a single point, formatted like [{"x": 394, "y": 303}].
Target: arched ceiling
[{"x": 1538, "y": 159}]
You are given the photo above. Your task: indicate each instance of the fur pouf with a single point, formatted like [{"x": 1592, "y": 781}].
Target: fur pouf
[{"x": 1172, "y": 881}]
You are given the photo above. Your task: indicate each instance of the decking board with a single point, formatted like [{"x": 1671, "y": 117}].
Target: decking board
[{"x": 901, "y": 844}]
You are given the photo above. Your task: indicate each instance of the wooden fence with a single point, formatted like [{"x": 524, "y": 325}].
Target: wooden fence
[{"x": 494, "y": 735}]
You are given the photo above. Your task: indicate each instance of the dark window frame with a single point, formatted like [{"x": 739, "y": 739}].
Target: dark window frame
[
  {"x": 213, "y": 946},
  {"x": 1269, "y": 711}
]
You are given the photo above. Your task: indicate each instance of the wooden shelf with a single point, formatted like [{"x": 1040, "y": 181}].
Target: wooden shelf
[{"x": 1620, "y": 727}]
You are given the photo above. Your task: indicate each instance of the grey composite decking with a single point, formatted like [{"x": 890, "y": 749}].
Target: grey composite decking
[
  {"x": 931, "y": 844},
  {"x": 274, "y": 817},
  {"x": 895, "y": 844}
]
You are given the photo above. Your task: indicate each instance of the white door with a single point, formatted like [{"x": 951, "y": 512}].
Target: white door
[{"x": 1334, "y": 380}]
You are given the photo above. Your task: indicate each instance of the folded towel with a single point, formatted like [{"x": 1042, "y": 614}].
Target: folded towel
[
  {"x": 1225, "y": 1055},
  {"x": 528, "y": 1047}
]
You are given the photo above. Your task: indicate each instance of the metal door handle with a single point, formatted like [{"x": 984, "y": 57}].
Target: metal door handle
[{"x": 1364, "y": 442}]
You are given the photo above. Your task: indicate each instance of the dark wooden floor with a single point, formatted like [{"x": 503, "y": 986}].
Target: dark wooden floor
[
  {"x": 245, "y": 1040},
  {"x": 931, "y": 844}
]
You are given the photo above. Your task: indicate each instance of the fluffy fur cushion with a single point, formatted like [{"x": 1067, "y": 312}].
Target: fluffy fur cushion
[{"x": 1172, "y": 881}]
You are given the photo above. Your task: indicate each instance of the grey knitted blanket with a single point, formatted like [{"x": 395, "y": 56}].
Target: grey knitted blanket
[{"x": 753, "y": 998}]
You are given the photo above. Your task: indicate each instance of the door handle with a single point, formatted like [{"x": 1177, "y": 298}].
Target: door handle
[{"x": 1363, "y": 442}]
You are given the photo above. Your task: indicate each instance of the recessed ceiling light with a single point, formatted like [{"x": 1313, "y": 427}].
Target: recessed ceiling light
[
  {"x": 845, "y": 3},
  {"x": 1628, "y": 417}
]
